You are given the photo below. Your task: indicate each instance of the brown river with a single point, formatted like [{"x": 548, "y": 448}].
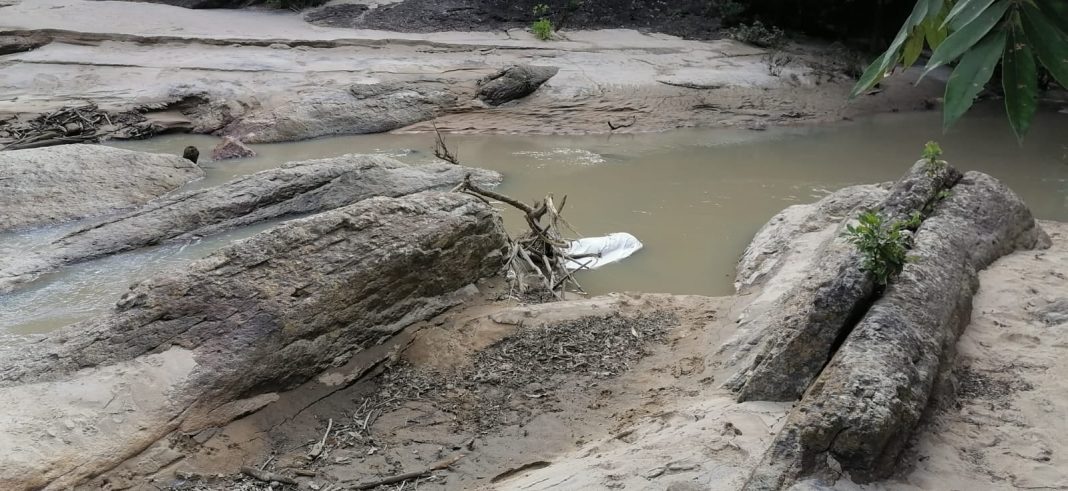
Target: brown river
[{"x": 693, "y": 197}]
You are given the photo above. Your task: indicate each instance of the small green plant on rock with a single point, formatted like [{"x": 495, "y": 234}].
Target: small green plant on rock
[
  {"x": 883, "y": 246},
  {"x": 914, "y": 221},
  {"x": 542, "y": 27},
  {"x": 931, "y": 153}
]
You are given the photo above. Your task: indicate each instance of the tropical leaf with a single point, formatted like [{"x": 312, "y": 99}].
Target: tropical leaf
[
  {"x": 1055, "y": 10},
  {"x": 971, "y": 75},
  {"x": 964, "y": 12},
  {"x": 963, "y": 40},
  {"x": 1049, "y": 44},
  {"x": 1019, "y": 77},
  {"x": 934, "y": 34},
  {"x": 934, "y": 7},
  {"x": 913, "y": 47},
  {"x": 877, "y": 70}
]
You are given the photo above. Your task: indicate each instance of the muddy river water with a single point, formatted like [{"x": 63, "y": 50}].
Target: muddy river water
[{"x": 693, "y": 197}]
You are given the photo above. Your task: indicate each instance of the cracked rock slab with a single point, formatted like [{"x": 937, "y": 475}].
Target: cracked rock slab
[
  {"x": 783, "y": 349},
  {"x": 190, "y": 349},
  {"x": 297, "y": 188},
  {"x": 861, "y": 410}
]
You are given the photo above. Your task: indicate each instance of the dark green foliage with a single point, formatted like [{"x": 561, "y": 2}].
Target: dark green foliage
[
  {"x": 977, "y": 35},
  {"x": 758, "y": 34},
  {"x": 728, "y": 11},
  {"x": 293, "y": 4},
  {"x": 542, "y": 26},
  {"x": 883, "y": 247}
]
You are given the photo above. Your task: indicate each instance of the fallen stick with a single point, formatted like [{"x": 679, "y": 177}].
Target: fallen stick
[
  {"x": 266, "y": 476},
  {"x": 318, "y": 448},
  {"x": 439, "y": 466}
]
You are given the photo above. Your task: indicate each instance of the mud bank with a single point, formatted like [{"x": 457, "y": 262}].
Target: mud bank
[{"x": 192, "y": 68}]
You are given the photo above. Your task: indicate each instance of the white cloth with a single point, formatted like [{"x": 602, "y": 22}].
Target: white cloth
[{"x": 612, "y": 248}]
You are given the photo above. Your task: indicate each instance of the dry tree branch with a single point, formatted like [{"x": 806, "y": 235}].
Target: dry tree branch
[
  {"x": 266, "y": 476},
  {"x": 441, "y": 150},
  {"x": 439, "y": 466},
  {"x": 539, "y": 256}
]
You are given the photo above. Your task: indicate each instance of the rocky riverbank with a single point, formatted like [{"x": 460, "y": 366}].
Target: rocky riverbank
[
  {"x": 372, "y": 340},
  {"x": 376, "y": 339},
  {"x": 279, "y": 78}
]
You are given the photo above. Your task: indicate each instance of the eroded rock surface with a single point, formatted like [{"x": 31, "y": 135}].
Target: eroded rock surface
[
  {"x": 514, "y": 82},
  {"x": 43, "y": 186},
  {"x": 787, "y": 345},
  {"x": 792, "y": 235},
  {"x": 294, "y": 189},
  {"x": 198, "y": 347},
  {"x": 360, "y": 109},
  {"x": 19, "y": 43},
  {"x": 861, "y": 410}
]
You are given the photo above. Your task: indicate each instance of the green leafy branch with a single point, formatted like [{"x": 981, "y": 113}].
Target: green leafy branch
[
  {"x": 978, "y": 34},
  {"x": 883, "y": 246},
  {"x": 542, "y": 27}
]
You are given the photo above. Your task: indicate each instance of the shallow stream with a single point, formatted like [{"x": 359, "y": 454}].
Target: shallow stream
[{"x": 694, "y": 197}]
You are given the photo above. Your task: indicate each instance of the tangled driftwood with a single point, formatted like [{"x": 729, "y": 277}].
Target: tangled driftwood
[
  {"x": 539, "y": 258},
  {"x": 75, "y": 124}
]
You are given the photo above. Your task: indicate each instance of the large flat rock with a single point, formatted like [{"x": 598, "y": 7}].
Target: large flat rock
[
  {"x": 43, "y": 186},
  {"x": 294, "y": 189},
  {"x": 198, "y": 347}
]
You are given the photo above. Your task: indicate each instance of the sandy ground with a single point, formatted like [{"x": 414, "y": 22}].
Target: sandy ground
[
  {"x": 656, "y": 420},
  {"x": 122, "y": 54},
  {"x": 1006, "y": 427},
  {"x": 645, "y": 359},
  {"x": 1003, "y": 429}
]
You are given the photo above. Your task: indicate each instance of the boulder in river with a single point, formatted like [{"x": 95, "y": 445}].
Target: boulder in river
[
  {"x": 297, "y": 188},
  {"x": 191, "y": 154},
  {"x": 231, "y": 148},
  {"x": 44, "y": 186},
  {"x": 198, "y": 347},
  {"x": 514, "y": 82}
]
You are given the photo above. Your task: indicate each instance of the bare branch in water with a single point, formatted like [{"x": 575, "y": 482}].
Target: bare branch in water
[
  {"x": 441, "y": 150},
  {"x": 539, "y": 257}
]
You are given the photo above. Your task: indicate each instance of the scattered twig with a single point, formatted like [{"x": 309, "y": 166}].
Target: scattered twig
[
  {"x": 266, "y": 476},
  {"x": 439, "y": 466},
  {"x": 317, "y": 449}
]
